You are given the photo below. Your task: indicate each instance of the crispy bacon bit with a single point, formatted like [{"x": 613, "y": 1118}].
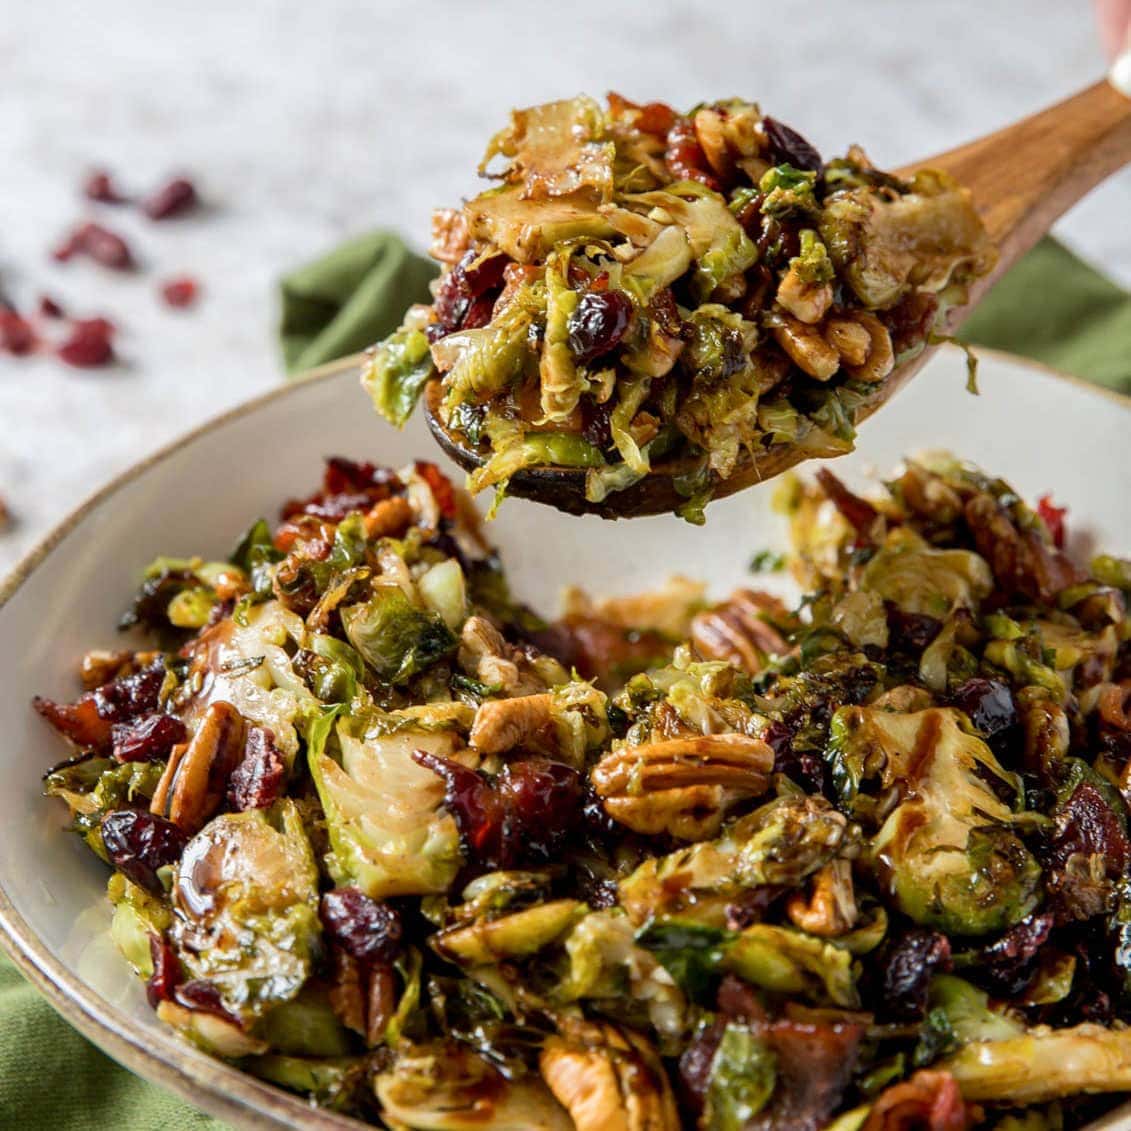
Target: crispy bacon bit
[
  {"x": 180, "y": 292},
  {"x": 929, "y": 1101},
  {"x": 815, "y": 1063},
  {"x": 16, "y": 335},
  {"x": 99, "y": 186},
  {"x": 89, "y": 345},
  {"x": 148, "y": 739},
  {"x": 173, "y": 198},
  {"x": 1053, "y": 518},
  {"x": 1089, "y": 848},
  {"x": 868, "y": 523},
  {"x": 347, "y": 486},
  {"x": 99, "y": 243},
  {"x": 908, "y": 966},
  {"x": 440, "y": 485},
  {"x": 257, "y": 781},
  {"x": 524, "y": 815},
  {"x": 89, "y": 720},
  {"x": 685, "y": 157}
]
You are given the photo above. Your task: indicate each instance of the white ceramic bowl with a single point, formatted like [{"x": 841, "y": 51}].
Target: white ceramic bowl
[{"x": 1041, "y": 431}]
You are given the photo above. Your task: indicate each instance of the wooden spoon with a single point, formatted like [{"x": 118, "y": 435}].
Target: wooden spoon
[{"x": 1022, "y": 177}]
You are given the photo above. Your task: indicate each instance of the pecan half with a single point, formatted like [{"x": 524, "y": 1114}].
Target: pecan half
[
  {"x": 735, "y": 631},
  {"x": 682, "y": 786},
  {"x": 196, "y": 776}
]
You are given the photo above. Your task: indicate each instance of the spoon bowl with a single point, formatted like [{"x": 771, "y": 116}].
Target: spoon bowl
[{"x": 1022, "y": 178}]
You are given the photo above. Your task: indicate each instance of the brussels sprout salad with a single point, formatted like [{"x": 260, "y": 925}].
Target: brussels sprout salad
[
  {"x": 381, "y": 835},
  {"x": 647, "y": 289}
]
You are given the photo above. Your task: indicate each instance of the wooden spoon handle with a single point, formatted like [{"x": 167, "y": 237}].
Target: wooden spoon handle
[{"x": 1027, "y": 175}]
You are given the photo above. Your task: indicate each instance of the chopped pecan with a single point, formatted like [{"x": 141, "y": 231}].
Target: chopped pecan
[
  {"x": 830, "y": 909},
  {"x": 735, "y": 631},
  {"x": 196, "y": 777},
  {"x": 608, "y": 1079},
  {"x": 389, "y": 518},
  {"x": 502, "y": 724},
  {"x": 806, "y": 348},
  {"x": 1021, "y": 560},
  {"x": 880, "y": 357},
  {"x": 682, "y": 786}
]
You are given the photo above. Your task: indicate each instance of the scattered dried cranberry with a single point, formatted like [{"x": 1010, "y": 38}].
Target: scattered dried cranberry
[
  {"x": 988, "y": 703},
  {"x": 180, "y": 292},
  {"x": 139, "y": 843},
  {"x": 171, "y": 199},
  {"x": 16, "y": 334},
  {"x": 787, "y": 146},
  {"x": 166, "y": 976},
  {"x": 1053, "y": 518},
  {"x": 361, "y": 926},
  {"x": 908, "y": 964},
  {"x": 525, "y": 814},
  {"x": 1008, "y": 964},
  {"x": 258, "y": 780},
  {"x": 101, "y": 244},
  {"x": 149, "y": 739},
  {"x": 468, "y": 292},
  {"x": 100, "y": 186},
  {"x": 598, "y": 323},
  {"x": 910, "y": 632},
  {"x": 90, "y": 344},
  {"x": 204, "y": 997},
  {"x": 49, "y": 308}
]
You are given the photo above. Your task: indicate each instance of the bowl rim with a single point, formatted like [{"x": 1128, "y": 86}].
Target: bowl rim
[{"x": 162, "y": 1058}]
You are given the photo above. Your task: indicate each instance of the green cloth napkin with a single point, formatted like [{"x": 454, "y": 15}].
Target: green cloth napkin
[
  {"x": 1051, "y": 307},
  {"x": 349, "y": 299}
]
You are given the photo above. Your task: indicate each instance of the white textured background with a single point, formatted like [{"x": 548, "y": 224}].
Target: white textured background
[{"x": 304, "y": 123}]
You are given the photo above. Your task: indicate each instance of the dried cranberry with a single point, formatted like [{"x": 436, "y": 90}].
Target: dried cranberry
[
  {"x": 1087, "y": 825},
  {"x": 90, "y": 344},
  {"x": 988, "y": 703},
  {"x": 788, "y": 147},
  {"x": 180, "y": 292},
  {"x": 166, "y": 976},
  {"x": 139, "y": 843},
  {"x": 49, "y": 308},
  {"x": 258, "y": 779},
  {"x": 524, "y": 815},
  {"x": 149, "y": 739},
  {"x": 124, "y": 699},
  {"x": 1053, "y": 518},
  {"x": 910, "y": 632},
  {"x": 751, "y": 906},
  {"x": 472, "y": 279},
  {"x": 1008, "y": 964},
  {"x": 101, "y": 244},
  {"x": 16, "y": 334},
  {"x": 907, "y": 966},
  {"x": 173, "y": 198},
  {"x": 100, "y": 186},
  {"x": 598, "y": 324},
  {"x": 911, "y": 320},
  {"x": 204, "y": 997},
  {"x": 361, "y": 926}
]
